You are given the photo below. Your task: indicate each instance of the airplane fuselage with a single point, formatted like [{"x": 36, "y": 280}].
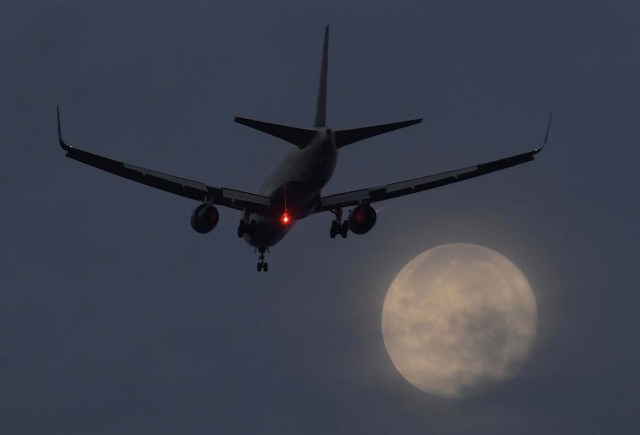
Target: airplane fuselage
[{"x": 294, "y": 186}]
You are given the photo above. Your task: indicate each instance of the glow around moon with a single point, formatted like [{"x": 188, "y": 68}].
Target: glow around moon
[{"x": 458, "y": 319}]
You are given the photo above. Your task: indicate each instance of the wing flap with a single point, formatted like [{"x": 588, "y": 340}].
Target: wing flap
[
  {"x": 179, "y": 186},
  {"x": 244, "y": 198},
  {"x": 407, "y": 187}
]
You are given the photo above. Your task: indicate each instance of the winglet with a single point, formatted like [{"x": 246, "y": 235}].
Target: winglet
[
  {"x": 60, "y": 141},
  {"x": 546, "y": 136},
  {"x": 321, "y": 105}
]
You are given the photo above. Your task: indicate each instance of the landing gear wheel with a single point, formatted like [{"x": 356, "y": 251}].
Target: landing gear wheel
[
  {"x": 344, "y": 229},
  {"x": 338, "y": 226},
  {"x": 333, "y": 232},
  {"x": 262, "y": 265}
]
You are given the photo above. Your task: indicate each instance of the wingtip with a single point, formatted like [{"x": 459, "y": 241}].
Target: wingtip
[
  {"x": 546, "y": 135},
  {"x": 61, "y": 142}
]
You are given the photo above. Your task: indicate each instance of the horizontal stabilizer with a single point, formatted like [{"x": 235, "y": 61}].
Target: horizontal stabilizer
[
  {"x": 346, "y": 137},
  {"x": 297, "y": 136}
]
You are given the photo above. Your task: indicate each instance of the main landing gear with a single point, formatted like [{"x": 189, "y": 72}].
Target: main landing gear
[
  {"x": 262, "y": 265},
  {"x": 337, "y": 226}
]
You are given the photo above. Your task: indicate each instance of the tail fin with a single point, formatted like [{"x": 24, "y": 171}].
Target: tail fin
[
  {"x": 298, "y": 136},
  {"x": 346, "y": 137},
  {"x": 321, "y": 106}
]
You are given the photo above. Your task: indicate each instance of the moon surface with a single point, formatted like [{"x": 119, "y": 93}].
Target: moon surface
[{"x": 458, "y": 319}]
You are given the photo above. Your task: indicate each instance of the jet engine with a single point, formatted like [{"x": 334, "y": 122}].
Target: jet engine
[
  {"x": 362, "y": 219},
  {"x": 204, "y": 218}
]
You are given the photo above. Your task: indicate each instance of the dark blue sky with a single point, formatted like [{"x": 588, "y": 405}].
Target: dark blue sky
[{"x": 117, "y": 318}]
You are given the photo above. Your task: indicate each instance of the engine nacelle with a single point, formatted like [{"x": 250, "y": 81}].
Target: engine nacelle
[
  {"x": 204, "y": 218},
  {"x": 362, "y": 219}
]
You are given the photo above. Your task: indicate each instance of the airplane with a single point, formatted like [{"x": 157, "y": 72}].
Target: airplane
[{"x": 293, "y": 189}]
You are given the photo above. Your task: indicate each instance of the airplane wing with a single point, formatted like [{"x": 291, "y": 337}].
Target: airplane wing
[
  {"x": 231, "y": 198},
  {"x": 394, "y": 190}
]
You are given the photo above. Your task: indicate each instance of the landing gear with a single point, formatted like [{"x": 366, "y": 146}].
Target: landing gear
[
  {"x": 337, "y": 226},
  {"x": 262, "y": 265}
]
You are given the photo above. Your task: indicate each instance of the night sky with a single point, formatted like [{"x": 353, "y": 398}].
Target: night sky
[{"x": 117, "y": 318}]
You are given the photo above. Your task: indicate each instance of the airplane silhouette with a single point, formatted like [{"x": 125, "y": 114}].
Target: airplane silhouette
[{"x": 293, "y": 189}]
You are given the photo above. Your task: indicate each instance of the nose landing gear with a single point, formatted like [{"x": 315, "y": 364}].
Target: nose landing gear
[
  {"x": 338, "y": 226},
  {"x": 262, "y": 265}
]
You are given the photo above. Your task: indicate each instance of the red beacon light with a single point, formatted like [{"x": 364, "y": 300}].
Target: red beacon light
[{"x": 285, "y": 219}]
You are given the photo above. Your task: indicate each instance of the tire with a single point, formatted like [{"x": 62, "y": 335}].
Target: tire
[
  {"x": 335, "y": 229},
  {"x": 242, "y": 228},
  {"x": 344, "y": 229}
]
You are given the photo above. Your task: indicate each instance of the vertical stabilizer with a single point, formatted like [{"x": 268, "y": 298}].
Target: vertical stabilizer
[{"x": 321, "y": 107}]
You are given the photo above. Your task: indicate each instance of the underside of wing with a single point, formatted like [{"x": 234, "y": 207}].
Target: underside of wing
[
  {"x": 394, "y": 190},
  {"x": 195, "y": 190}
]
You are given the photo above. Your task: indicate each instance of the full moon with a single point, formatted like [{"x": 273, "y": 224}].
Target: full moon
[{"x": 458, "y": 319}]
